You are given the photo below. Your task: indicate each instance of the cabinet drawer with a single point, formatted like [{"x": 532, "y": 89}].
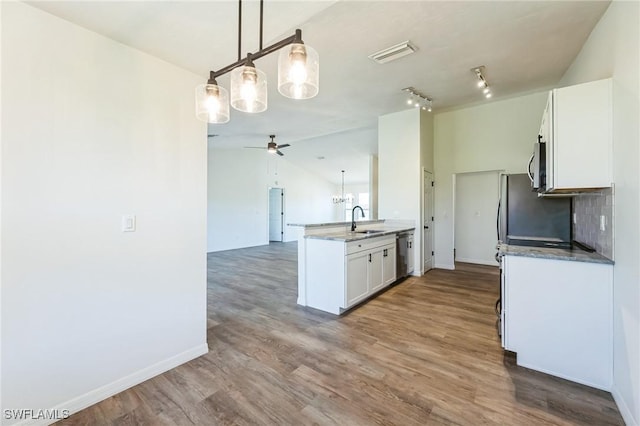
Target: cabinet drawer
[{"x": 369, "y": 243}]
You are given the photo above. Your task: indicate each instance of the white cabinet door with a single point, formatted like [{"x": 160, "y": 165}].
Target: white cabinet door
[
  {"x": 376, "y": 281},
  {"x": 504, "y": 318},
  {"x": 559, "y": 317},
  {"x": 357, "y": 287},
  {"x": 547, "y": 137},
  {"x": 577, "y": 127},
  {"x": 410, "y": 255},
  {"x": 389, "y": 265}
]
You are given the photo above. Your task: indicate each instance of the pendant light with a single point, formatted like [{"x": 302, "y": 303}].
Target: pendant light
[
  {"x": 298, "y": 70},
  {"x": 248, "y": 88},
  {"x": 212, "y": 103},
  {"x": 298, "y": 77}
]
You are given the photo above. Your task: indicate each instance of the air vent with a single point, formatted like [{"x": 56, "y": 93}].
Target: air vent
[{"x": 394, "y": 52}]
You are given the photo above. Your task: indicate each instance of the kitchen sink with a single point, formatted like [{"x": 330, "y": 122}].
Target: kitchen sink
[{"x": 370, "y": 231}]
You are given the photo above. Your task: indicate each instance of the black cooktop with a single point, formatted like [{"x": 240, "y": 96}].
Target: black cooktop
[{"x": 539, "y": 243}]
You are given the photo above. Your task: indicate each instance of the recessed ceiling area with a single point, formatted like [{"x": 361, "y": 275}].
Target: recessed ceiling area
[{"x": 525, "y": 46}]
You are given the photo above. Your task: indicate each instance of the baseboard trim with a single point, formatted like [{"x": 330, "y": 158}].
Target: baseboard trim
[
  {"x": 93, "y": 397},
  {"x": 604, "y": 387},
  {"x": 627, "y": 416},
  {"x": 491, "y": 262},
  {"x": 444, "y": 266}
]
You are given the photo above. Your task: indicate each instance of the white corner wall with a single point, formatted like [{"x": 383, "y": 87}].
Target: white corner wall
[
  {"x": 405, "y": 147},
  {"x": 612, "y": 50},
  {"x": 493, "y": 136},
  {"x": 93, "y": 130},
  {"x": 238, "y": 205}
]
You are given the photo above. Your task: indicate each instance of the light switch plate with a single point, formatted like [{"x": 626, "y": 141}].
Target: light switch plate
[
  {"x": 603, "y": 223},
  {"x": 128, "y": 223},
  {"x": 574, "y": 219}
]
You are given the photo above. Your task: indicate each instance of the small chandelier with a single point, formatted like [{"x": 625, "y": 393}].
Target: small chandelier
[
  {"x": 339, "y": 199},
  {"x": 298, "y": 77}
]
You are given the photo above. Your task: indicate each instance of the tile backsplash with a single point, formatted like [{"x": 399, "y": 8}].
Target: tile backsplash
[{"x": 588, "y": 208}]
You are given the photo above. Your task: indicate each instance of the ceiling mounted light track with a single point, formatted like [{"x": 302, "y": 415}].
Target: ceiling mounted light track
[
  {"x": 482, "y": 81},
  {"x": 418, "y": 100},
  {"x": 298, "y": 77}
]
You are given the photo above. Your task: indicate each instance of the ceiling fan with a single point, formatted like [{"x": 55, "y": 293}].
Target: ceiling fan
[{"x": 272, "y": 147}]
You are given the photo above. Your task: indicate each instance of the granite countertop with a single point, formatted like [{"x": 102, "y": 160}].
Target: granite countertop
[
  {"x": 574, "y": 254},
  {"x": 347, "y": 236},
  {"x": 319, "y": 225}
]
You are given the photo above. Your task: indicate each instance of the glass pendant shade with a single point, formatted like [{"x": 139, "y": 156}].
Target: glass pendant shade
[
  {"x": 248, "y": 89},
  {"x": 212, "y": 103},
  {"x": 298, "y": 71}
]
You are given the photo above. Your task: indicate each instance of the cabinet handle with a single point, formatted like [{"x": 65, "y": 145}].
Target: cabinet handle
[{"x": 369, "y": 257}]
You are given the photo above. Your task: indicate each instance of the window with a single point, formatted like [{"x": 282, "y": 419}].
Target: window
[{"x": 360, "y": 199}]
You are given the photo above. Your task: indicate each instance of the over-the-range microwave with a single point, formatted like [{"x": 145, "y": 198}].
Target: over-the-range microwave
[{"x": 537, "y": 168}]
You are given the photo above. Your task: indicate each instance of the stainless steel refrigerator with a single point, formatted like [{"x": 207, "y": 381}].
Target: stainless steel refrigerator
[{"x": 528, "y": 220}]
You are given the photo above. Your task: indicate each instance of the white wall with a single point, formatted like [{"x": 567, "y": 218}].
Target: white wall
[
  {"x": 403, "y": 138},
  {"x": 238, "y": 208},
  {"x": 476, "y": 200},
  {"x": 493, "y": 136},
  {"x": 612, "y": 51},
  {"x": 373, "y": 186},
  {"x": 93, "y": 130}
]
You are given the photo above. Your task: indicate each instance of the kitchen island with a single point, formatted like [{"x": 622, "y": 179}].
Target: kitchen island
[
  {"x": 557, "y": 312},
  {"x": 339, "y": 268}
]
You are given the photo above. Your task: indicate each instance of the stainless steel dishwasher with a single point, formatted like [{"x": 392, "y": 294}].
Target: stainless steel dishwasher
[{"x": 401, "y": 254}]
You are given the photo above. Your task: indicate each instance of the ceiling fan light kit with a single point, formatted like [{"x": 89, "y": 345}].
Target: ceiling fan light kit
[
  {"x": 298, "y": 77},
  {"x": 272, "y": 147}
]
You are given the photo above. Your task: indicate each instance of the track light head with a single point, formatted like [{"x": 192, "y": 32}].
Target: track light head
[{"x": 417, "y": 99}]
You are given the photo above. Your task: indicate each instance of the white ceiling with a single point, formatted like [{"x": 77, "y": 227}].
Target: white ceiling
[{"x": 524, "y": 45}]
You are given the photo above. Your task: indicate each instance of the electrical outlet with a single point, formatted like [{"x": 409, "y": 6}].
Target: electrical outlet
[{"x": 603, "y": 223}]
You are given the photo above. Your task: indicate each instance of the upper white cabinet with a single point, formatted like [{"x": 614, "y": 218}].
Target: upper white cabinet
[{"x": 577, "y": 129}]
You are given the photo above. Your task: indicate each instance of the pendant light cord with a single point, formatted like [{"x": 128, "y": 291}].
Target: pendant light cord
[
  {"x": 239, "y": 29},
  {"x": 261, "y": 19}
]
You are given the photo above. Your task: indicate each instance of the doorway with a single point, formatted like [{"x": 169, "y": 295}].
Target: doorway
[
  {"x": 427, "y": 222},
  {"x": 276, "y": 214},
  {"x": 476, "y": 200}
]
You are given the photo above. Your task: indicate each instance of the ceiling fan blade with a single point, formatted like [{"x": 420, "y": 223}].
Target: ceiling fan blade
[
  {"x": 283, "y": 146},
  {"x": 279, "y": 153},
  {"x": 255, "y": 147}
]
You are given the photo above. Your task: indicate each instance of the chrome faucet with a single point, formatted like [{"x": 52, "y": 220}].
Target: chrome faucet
[{"x": 353, "y": 219}]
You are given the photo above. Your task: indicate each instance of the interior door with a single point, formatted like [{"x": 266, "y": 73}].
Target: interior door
[
  {"x": 276, "y": 214},
  {"x": 427, "y": 226},
  {"x": 476, "y": 197}
]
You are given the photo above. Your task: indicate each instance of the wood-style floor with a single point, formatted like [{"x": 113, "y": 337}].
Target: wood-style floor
[{"x": 425, "y": 352}]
